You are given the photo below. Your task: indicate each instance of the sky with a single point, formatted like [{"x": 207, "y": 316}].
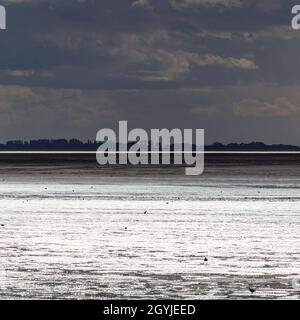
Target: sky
[{"x": 71, "y": 67}]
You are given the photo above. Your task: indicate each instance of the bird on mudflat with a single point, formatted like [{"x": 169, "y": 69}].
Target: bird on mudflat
[{"x": 251, "y": 290}]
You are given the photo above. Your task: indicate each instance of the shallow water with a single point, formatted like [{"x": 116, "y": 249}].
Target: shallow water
[{"x": 75, "y": 235}]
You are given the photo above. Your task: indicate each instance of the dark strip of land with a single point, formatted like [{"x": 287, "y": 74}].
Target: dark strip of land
[{"x": 77, "y": 145}]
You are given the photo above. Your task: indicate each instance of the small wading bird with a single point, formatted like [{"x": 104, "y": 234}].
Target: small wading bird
[{"x": 251, "y": 290}]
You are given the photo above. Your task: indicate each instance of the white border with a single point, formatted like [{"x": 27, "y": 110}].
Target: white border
[{"x": 150, "y": 152}]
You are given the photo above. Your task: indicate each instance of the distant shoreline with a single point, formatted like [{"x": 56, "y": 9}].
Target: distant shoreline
[{"x": 76, "y": 146}]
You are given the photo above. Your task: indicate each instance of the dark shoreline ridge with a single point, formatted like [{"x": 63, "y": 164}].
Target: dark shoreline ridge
[{"x": 77, "y": 145}]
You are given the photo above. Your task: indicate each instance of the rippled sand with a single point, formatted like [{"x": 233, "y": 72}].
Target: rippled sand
[{"x": 84, "y": 234}]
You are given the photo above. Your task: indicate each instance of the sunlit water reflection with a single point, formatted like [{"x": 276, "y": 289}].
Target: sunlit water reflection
[{"x": 64, "y": 236}]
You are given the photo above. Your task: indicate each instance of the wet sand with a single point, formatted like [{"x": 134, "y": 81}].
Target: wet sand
[{"x": 74, "y": 230}]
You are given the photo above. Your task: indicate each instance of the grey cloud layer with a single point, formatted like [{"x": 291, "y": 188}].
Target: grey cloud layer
[{"x": 156, "y": 63}]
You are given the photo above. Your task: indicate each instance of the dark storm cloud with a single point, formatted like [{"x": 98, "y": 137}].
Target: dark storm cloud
[
  {"x": 79, "y": 65},
  {"x": 127, "y": 44}
]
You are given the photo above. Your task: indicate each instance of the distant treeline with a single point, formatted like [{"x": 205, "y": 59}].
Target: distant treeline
[
  {"x": 49, "y": 144},
  {"x": 252, "y": 146},
  {"x": 77, "y": 145}
]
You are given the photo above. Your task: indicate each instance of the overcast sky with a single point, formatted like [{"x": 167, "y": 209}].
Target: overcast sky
[{"x": 71, "y": 67}]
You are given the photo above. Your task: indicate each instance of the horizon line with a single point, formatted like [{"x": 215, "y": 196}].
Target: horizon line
[{"x": 150, "y": 152}]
